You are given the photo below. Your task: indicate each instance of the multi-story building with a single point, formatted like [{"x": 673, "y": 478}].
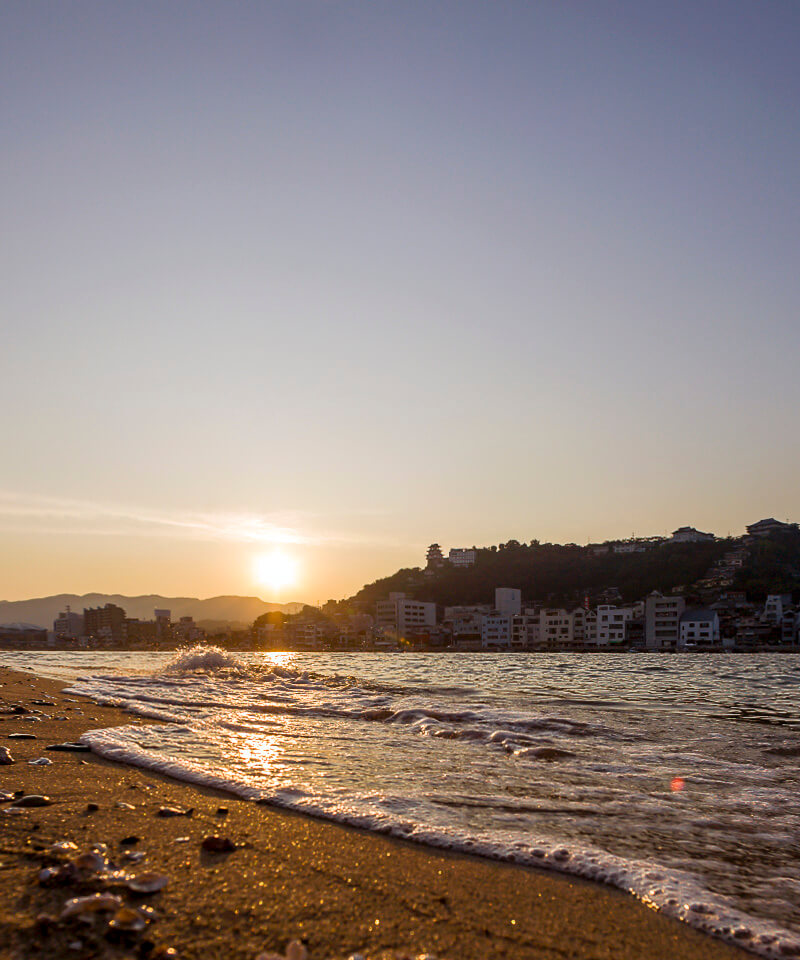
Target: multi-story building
[
  {"x": 461, "y": 557},
  {"x": 105, "y": 623},
  {"x": 434, "y": 557},
  {"x": 496, "y": 631},
  {"x": 777, "y": 605},
  {"x": 611, "y": 623},
  {"x": 662, "y": 621},
  {"x": 765, "y": 528},
  {"x": 698, "y": 626},
  {"x": 403, "y": 616},
  {"x": 465, "y": 621},
  {"x": 508, "y": 601},
  {"x": 68, "y": 625},
  {"x": 690, "y": 535}
]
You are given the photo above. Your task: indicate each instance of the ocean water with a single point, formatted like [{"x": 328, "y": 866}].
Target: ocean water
[{"x": 673, "y": 777}]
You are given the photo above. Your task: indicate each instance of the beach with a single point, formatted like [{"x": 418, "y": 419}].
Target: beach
[{"x": 339, "y": 890}]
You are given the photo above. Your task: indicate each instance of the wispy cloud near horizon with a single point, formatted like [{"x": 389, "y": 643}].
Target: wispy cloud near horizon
[{"x": 32, "y": 513}]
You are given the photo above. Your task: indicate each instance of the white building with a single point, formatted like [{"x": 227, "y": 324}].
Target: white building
[
  {"x": 403, "y": 616},
  {"x": 661, "y": 623},
  {"x": 776, "y": 607},
  {"x": 496, "y": 631},
  {"x": 611, "y": 620},
  {"x": 508, "y": 601},
  {"x": 461, "y": 557},
  {"x": 466, "y": 621},
  {"x": 699, "y": 625},
  {"x": 68, "y": 624},
  {"x": 690, "y": 535}
]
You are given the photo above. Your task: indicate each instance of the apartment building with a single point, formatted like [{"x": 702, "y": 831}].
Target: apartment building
[
  {"x": 698, "y": 626},
  {"x": 403, "y": 616},
  {"x": 662, "y": 621}
]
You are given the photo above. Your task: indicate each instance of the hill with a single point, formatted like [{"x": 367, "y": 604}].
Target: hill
[
  {"x": 554, "y": 573},
  {"x": 43, "y": 610}
]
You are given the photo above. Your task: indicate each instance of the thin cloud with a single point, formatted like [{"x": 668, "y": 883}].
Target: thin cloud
[{"x": 28, "y": 513}]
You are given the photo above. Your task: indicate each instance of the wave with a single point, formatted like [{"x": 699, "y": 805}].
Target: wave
[{"x": 676, "y": 893}]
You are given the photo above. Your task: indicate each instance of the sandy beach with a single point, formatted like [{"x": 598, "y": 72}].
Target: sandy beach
[{"x": 339, "y": 890}]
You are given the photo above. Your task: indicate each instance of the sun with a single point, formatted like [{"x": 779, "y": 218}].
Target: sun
[{"x": 276, "y": 569}]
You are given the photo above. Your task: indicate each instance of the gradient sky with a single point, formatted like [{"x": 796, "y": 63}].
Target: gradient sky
[{"x": 353, "y": 277}]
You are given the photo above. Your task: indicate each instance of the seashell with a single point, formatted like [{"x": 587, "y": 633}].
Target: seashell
[
  {"x": 5, "y": 756},
  {"x": 148, "y": 882},
  {"x": 41, "y": 762},
  {"x": 81, "y": 906},
  {"x": 122, "y": 805},
  {"x": 133, "y": 856},
  {"x": 128, "y": 920},
  {"x": 62, "y": 847},
  {"x": 174, "y": 812},
  {"x": 32, "y": 800},
  {"x": 218, "y": 844},
  {"x": 68, "y": 747}
]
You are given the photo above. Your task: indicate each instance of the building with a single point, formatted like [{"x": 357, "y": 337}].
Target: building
[
  {"x": 105, "y": 623},
  {"x": 402, "y": 616},
  {"x": 662, "y": 621},
  {"x": 461, "y": 557},
  {"x": 22, "y": 635},
  {"x": 776, "y": 607},
  {"x": 765, "y": 528},
  {"x": 508, "y": 601},
  {"x": 139, "y": 632},
  {"x": 187, "y": 631},
  {"x": 163, "y": 619},
  {"x": 465, "y": 622},
  {"x": 690, "y": 535},
  {"x": 68, "y": 625},
  {"x": 611, "y": 621},
  {"x": 434, "y": 557},
  {"x": 496, "y": 631},
  {"x": 698, "y": 627}
]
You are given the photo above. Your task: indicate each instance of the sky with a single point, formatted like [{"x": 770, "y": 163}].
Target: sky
[{"x": 306, "y": 286}]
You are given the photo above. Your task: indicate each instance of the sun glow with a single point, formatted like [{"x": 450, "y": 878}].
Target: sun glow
[{"x": 275, "y": 570}]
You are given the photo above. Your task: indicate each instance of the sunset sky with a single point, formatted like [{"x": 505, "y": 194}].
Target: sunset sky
[{"x": 339, "y": 280}]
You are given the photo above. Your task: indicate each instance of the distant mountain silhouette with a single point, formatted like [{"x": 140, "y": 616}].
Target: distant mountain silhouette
[{"x": 42, "y": 611}]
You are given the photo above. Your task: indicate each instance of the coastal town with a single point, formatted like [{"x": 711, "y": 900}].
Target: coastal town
[{"x": 709, "y": 614}]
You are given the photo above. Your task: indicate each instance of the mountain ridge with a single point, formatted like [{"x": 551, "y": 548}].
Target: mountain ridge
[{"x": 42, "y": 611}]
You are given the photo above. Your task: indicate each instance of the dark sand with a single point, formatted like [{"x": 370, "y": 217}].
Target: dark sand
[{"x": 340, "y": 890}]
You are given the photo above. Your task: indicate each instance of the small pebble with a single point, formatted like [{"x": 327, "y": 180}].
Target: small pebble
[
  {"x": 41, "y": 762},
  {"x": 92, "y": 807},
  {"x": 22, "y": 736},
  {"x": 5, "y": 756}
]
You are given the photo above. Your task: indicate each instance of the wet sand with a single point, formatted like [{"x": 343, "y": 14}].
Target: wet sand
[{"x": 339, "y": 890}]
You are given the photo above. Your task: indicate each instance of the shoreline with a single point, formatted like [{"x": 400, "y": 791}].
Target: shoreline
[{"x": 340, "y": 889}]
